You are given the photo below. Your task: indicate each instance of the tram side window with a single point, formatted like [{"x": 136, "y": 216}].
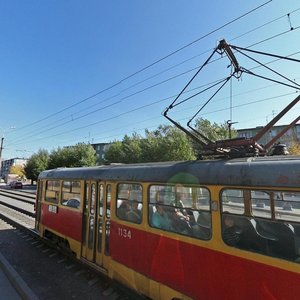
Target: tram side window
[
  {"x": 287, "y": 206},
  {"x": 279, "y": 231},
  {"x": 71, "y": 194},
  {"x": 233, "y": 201},
  {"x": 129, "y": 202},
  {"x": 261, "y": 204},
  {"x": 269, "y": 222},
  {"x": 233, "y": 219},
  {"x": 181, "y": 209},
  {"x": 52, "y": 191}
]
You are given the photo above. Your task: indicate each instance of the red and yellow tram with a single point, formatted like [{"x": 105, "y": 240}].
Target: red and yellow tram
[{"x": 222, "y": 229}]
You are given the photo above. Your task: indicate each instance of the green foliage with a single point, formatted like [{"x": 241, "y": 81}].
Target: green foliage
[
  {"x": 115, "y": 152},
  {"x": 36, "y": 163},
  {"x": 76, "y": 156},
  {"x": 164, "y": 144},
  {"x": 81, "y": 155},
  {"x": 132, "y": 148},
  {"x": 214, "y": 131}
]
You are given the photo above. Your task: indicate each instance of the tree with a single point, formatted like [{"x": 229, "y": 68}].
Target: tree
[
  {"x": 167, "y": 143},
  {"x": 294, "y": 149},
  {"x": 80, "y": 155},
  {"x": 36, "y": 163},
  {"x": 115, "y": 153},
  {"x": 214, "y": 131},
  {"x": 132, "y": 148},
  {"x": 18, "y": 170},
  {"x": 164, "y": 144}
]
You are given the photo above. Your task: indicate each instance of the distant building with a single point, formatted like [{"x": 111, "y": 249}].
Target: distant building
[
  {"x": 6, "y": 164},
  {"x": 290, "y": 137},
  {"x": 100, "y": 149}
]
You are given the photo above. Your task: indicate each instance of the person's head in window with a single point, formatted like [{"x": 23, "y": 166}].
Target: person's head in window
[
  {"x": 228, "y": 221},
  {"x": 231, "y": 234},
  {"x": 134, "y": 214},
  {"x": 134, "y": 204},
  {"x": 159, "y": 208},
  {"x": 160, "y": 218}
]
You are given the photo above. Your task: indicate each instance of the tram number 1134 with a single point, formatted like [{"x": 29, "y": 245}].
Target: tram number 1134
[{"x": 124, "y": 233}]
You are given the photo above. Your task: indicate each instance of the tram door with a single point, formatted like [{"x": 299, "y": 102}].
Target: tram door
[
  {"x": 38, "y": 204},
  {"x": 89, "y": 223},
  {"x": 103, "y": 224},
  {"x": 96, "y": 219}
]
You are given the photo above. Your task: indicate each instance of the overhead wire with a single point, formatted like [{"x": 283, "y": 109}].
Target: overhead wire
[
  {"x": 237, "y": 69},
  {"x": 211, "y": 112},
  {"x": 149, "y": 65},
  {"x": 127, "y": 112},
  {"x": 137, "y": 84},
  {"x": 123, "y": 97}
]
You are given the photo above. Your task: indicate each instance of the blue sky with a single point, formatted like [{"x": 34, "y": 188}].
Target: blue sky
[{"x": 93, "y": 71}]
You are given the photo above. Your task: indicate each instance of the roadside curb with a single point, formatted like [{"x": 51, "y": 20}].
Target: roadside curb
[{"x": 16, "y": 280}]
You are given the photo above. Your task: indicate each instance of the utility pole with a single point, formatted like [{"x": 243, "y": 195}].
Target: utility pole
[{"x": 1, "y": 148}]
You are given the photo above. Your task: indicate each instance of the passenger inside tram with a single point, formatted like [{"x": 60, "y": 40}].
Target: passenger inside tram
[
  {"x": 231, "y": 233},
  {"x": 134, "y": 214},
  {"x": 160, "y": 218},
  {"x": 123, "y": 209},
  {"x": 180, "y": 222}
]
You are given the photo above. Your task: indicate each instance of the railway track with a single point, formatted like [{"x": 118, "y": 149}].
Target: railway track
[
  {"x": 49, "y": 272},
  {"x": 17, "y": 207}
]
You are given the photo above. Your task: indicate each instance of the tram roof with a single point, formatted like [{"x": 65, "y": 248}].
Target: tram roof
[{"x": 280, "y": 171}]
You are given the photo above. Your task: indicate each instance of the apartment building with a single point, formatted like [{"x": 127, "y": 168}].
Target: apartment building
[{"x": 290, "y": 137}]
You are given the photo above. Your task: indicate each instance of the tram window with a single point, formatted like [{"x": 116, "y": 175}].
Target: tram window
[
  {"x": 233, "y": 201},
  {"x": 71, "y": 194},
  {"x": 101, "y": 199},
  {"x": 93, "y": 199},
  {"x": 66, "y": 186},
  {"x": 91, "y": 232},
  {"x": 86, "y": 197},
  {"x": 107, "y": 223},
  {"x": 108, "y": 200},
  {"x": 272, "y": 227},
  {"x": 181, "y": 209},
  {"x": 162, "y": 193},
  {"x": 129, "y": 202},
  {"x": 100, "y": 216},
  {"x": 203, "y": 199},
  {"x": 76, "y": 187},
  {"x": 53, "y": 185},
  {"x": 261, "y": 204},
  {"x": 287, "y": 206},
  {"x": 52, "y": 191}
]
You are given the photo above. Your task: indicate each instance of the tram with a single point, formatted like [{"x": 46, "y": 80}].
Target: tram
[{"x": 215, "y": 229}]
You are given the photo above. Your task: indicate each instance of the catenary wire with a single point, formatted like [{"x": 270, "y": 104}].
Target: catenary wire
[
  {"x": 149, "y": 66},
  {"x": 143, "y": 81}
]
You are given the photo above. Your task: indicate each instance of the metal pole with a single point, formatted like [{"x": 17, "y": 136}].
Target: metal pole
[{"x": 1, "y": 148}]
